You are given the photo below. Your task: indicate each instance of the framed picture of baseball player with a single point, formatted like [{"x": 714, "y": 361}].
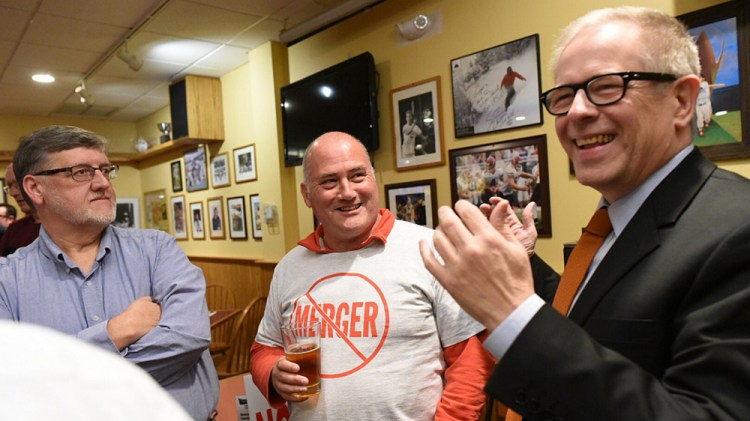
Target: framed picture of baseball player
[
  {"x": 722, "y": 126},
  {"x": 417, "y": 125}
]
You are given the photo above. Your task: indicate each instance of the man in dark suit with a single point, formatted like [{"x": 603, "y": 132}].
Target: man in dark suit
[{"x": 660, "y": 328}]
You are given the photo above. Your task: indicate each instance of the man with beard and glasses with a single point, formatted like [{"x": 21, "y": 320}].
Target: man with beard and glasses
[{"x": 131, "y": 292}]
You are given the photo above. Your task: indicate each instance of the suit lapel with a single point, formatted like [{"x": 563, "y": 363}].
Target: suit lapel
[{"x": 641, "y": 236}]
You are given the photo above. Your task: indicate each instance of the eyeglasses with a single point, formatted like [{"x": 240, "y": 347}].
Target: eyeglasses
[
  {"x": 8, "y": 187},
  {"x": 600, "y": 90},
  {"x": 85, "y": 172}
]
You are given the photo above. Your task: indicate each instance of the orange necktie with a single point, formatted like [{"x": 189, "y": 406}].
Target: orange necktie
[
  {"x": 575, "y": 271},
  {"x": 580, "y": 259}
]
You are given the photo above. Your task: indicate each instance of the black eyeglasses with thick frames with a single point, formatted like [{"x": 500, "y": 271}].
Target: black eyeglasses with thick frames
[
  {"x": 600, "y": 90},
  {"x": 85, "y": 172}
]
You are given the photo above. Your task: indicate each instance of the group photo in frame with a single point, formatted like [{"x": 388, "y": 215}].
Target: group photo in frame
[
  {"x": 197, "y": 222},
  {"x": 155, "y": 206},
  {"x": 236, "y": 218},
  {"x": 414, "y": 201},
  {"x": 220, "y": 170},
  {"x": 256, "y": 218},
  {"x": 196, "y": 177},
  {"x": 244, "y": 164},
  {"x": 417, "y": 125},
  {"x": 513, "y": 170},
  {"x": 497, "y": 88},
  {"x": 127, "y": 213},
  {"x": 176, "y": 173},
  {"x": 215, "y": 207},
  {"x": 179, "y": 223},
  {"x": 722, "y": 125}
]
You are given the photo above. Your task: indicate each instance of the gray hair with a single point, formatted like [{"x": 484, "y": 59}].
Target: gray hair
[
  {"x": 669, "y": 47},
  {"x": 34, "y": 152}
]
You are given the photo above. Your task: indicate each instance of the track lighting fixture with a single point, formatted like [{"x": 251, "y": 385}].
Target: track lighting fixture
[
  {"x": 129, "y": 58},
  {"x": 85, "y": 96}
]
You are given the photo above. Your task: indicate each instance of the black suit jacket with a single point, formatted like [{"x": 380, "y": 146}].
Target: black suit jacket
[{"x": 662, "y": 330}]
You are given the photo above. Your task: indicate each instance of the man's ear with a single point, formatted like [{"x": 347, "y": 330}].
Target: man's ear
[
  {"x": 305, "y": 194},
  {"x": 686, "y": 91},
  {"x": 34, "y": 190}
]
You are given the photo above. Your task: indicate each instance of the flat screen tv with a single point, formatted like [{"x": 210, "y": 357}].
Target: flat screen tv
[{"x": 342, "y": 98}]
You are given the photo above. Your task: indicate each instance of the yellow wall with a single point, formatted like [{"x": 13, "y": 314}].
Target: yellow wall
[
  {"x": 250, "y": 102},
  {"x": 249, "y": 97},
  {"x": 120, "y": 134}
]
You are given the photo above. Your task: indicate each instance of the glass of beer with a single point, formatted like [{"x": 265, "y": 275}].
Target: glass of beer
[{"x": 302, "y": 347}]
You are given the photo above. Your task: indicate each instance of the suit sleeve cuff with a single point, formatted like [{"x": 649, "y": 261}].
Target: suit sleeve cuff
[{"x": 506, "y": 333}]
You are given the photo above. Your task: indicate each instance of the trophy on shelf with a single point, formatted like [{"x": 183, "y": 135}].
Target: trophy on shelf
[{"x": 164, "y": 127}]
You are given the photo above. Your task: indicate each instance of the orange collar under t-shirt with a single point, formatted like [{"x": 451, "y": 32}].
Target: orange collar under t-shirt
[{"x": 315, "y": 242}]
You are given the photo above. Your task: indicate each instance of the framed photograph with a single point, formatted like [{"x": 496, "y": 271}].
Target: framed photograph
[
  {"x": 196, "y": 177},
  {"x": 514, "y": 170},
  {"x": 498, "y": 88},
  {"x": 417, "y": 125},
  {"x": 216, "y": 213},
  {"x": 236, "y": 214},
  {"x": 244, "y": 164},
  {"x": 722, "y": 124},
  {"x": 220, "y": 170},
  {"x": 179, "y": 225},
  {"x": 127, "y": 213},
  {"x": 197, "y": 223},
  {"x": 256, "y": 218},
  {"x": 415, "y": 202},
  {"x": 176, "y": 168},
  {"x": 155, "y": 206},
  {"x": 2, "y": 190}
]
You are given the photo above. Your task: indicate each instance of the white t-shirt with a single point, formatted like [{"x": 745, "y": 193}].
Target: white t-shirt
[{"x": 385, "y": 321}]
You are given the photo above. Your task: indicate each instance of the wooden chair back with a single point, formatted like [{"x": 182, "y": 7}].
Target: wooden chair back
[
  {"x": 219, "y": 297},
  {"x": 237, "y": 360},
  {"x": 221, "y": 336}
]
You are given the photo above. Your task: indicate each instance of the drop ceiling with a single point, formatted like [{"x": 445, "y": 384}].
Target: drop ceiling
[{"x": 77, "y": 40}]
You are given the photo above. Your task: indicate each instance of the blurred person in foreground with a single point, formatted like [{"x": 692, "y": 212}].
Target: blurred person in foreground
[
  {"x": 68, "y": 379},
  {"x": 658, "y": 329},
  {"x": 130, "y": 292},
  {"x": 23, "y": 231},
  {"x": 394, "y": 344}
]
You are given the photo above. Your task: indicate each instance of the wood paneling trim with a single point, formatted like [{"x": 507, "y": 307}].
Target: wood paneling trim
[{"x": 246, "y": 278}]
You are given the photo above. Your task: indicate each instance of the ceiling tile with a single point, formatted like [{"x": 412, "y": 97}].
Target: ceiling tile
[
  {"x": 14, "y": 106},
  {"x": 19, "y": 4},
  {"x": 201, "y": 22},
  {"x": 224, "y": 60},
  {"x": 14, "y": 22},
  {"x": 121, "y": 13},
  {"x": 73, "y": 39},
  {"x": 73, "y": 34},
  {"x": 258, "y": 35},
  {"x": 21, "y": 75},
  {"x": 251, "y": 7},
  {"x": 6, "y": 49},
  {"x": 51, "y": 58}
]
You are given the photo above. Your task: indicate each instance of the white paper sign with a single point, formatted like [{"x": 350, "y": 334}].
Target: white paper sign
[{"x": 258, "y": 407}]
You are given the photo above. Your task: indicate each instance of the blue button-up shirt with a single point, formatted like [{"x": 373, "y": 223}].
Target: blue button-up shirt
[{"x": 40, "y": 284}]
